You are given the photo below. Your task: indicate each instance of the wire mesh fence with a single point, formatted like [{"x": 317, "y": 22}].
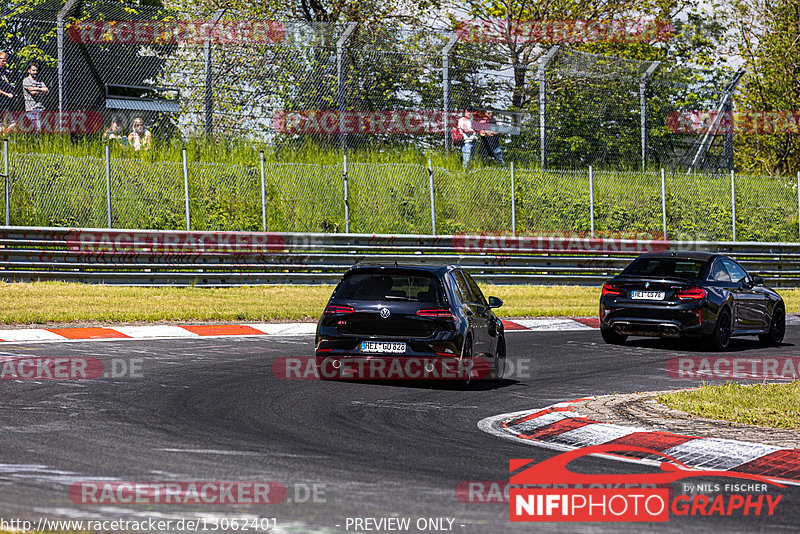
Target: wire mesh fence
[
  {"x": 66, "y": 191},
  {"x": 289, "y": 85}
]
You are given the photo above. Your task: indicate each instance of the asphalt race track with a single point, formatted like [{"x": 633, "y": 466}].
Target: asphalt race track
[{"x": 212, "y": 410}]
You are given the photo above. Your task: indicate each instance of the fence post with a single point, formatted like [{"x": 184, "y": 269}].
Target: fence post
[
  {"x": 591, "y": 200},
  {"x": 209, "y": 87},
  {"x": 346, "y": 199},
  {"x": 8, "y": 182},
  {"x": 186, "y": 189},
  {"x": 263, "y": 194},
  {"x": 446, "y": 88},
  {"x": 340, "y": 82},
  {"x": 108, "y": 184},
  {"x": 513, "y": 203},
  {"x": 433, "y": 201},
  {"x": 663, "y": 204},
  {"x": 643, "y": 110},
  {"x": 543, "y": 104},
  {"x": 733, "y": 204}
]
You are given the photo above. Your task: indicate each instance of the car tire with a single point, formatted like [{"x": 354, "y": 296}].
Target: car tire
[
  {"x": 465, "y": 364},
  {"x": 611, "y": 337},
  {"x": 499, "y": 367},
  {"x": 777, "y": 328},
  {"x": 723, "y": 329}
]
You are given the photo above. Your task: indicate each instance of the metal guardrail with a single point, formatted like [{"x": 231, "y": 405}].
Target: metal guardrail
[{"x": 209, "y": 259}]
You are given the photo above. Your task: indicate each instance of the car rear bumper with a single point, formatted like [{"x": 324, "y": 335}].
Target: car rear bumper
[
  {"x": 686, "y": 319},
  {"x": 652, "y": 327}
]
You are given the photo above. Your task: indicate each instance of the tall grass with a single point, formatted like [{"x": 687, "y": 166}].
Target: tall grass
[{"x": 59, "y": 182}]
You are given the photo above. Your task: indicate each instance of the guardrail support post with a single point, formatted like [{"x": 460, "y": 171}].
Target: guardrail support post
[
  {"x": 8, "y": 182},
  {"x": 346, "y": 200},
  {"x": 733, "y": 204},
  {"x": 108, "y": 184},
  {"x": 186, "y": 189},
  {"x": 663, "y": 204},
  {"x": 263, "y": 194},
  {"x": 591, "y": 200},
  {"x": 513, "y": 203},
  {"x": 433, "y": 201}
]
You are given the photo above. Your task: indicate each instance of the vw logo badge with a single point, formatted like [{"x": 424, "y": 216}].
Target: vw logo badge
[
  {"x": 385, "y": 313},
  {"x": 646, "y": 285}
]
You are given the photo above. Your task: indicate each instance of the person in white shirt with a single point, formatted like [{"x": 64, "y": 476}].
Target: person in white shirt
[{"x": 470, "y": 136}]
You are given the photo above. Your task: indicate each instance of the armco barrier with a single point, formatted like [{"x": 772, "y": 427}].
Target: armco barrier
[{"x": 159, "y": 257}]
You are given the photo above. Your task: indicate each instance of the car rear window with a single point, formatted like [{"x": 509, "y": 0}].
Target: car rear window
[
  {"x": 682, "y": 268},
  {"x": 380, "y": 286}
]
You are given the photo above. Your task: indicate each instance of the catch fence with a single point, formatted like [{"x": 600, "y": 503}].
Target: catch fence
[
  {"x": 358, "y": 197},
  {"x": 557, "y": 106}
]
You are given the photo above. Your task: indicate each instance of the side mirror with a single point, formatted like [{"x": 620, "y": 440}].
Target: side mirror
[
  {"x": 758, "y": 281},
  {"x": 495, "y": 302}
]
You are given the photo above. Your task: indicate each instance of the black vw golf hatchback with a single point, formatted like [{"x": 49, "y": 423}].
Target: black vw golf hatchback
[
  {"x": 410, "y": 322},
  {"x": 675, "y": 294}
]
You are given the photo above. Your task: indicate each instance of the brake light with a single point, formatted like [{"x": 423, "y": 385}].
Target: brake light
[
  {"x": 332, "y": 309},
  {"x": 438, "y": 313},
  {"x": 610, "y": 290},
  {"x": 693, "y": 293}
]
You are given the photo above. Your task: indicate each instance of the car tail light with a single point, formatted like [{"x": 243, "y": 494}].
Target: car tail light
[
  {"x": 332, "y": 309},
  {"x": 438, "y": 313},
  {"x": 693, "y": 293},
  {"x": 610, "y": 290}
]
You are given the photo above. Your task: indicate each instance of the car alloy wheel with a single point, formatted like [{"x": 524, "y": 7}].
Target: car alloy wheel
[
  {"x": 499, "y": 368},
  {"x": 777, "y": 328},
  {"x": 723, "y": 330},
  {"x": 465, "y": 362}
]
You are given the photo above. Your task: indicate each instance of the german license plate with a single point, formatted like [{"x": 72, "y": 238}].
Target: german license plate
[
  {"x": 647, "y": 295},
  {"x": 383, "y": 347}
]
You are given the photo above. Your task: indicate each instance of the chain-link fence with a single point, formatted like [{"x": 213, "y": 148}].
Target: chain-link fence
[
  {"x": 296, "y": 87},
  {"x": 66, "y": 191}
]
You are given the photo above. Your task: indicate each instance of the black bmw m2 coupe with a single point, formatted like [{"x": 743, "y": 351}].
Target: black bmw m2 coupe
[{"x": 676, "y": 294}]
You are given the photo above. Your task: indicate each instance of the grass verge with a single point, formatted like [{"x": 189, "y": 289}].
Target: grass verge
[
  {"x": 63, "y": 302},
  {"x": 771, "y": 405}
]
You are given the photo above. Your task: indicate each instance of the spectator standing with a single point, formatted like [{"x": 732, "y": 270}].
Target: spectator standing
[
  {"x": 6, "y": 87},
  {"x": 470, "y": 136},
  {"x": 139, "y": 138},
  {"x": 490, "y": 143},
  {"x": 34, "y": 92},
  {"x": 6, "y": 95}
]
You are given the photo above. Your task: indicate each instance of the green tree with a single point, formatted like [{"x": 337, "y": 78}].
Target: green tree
[{"x": 766, "y": 34}]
